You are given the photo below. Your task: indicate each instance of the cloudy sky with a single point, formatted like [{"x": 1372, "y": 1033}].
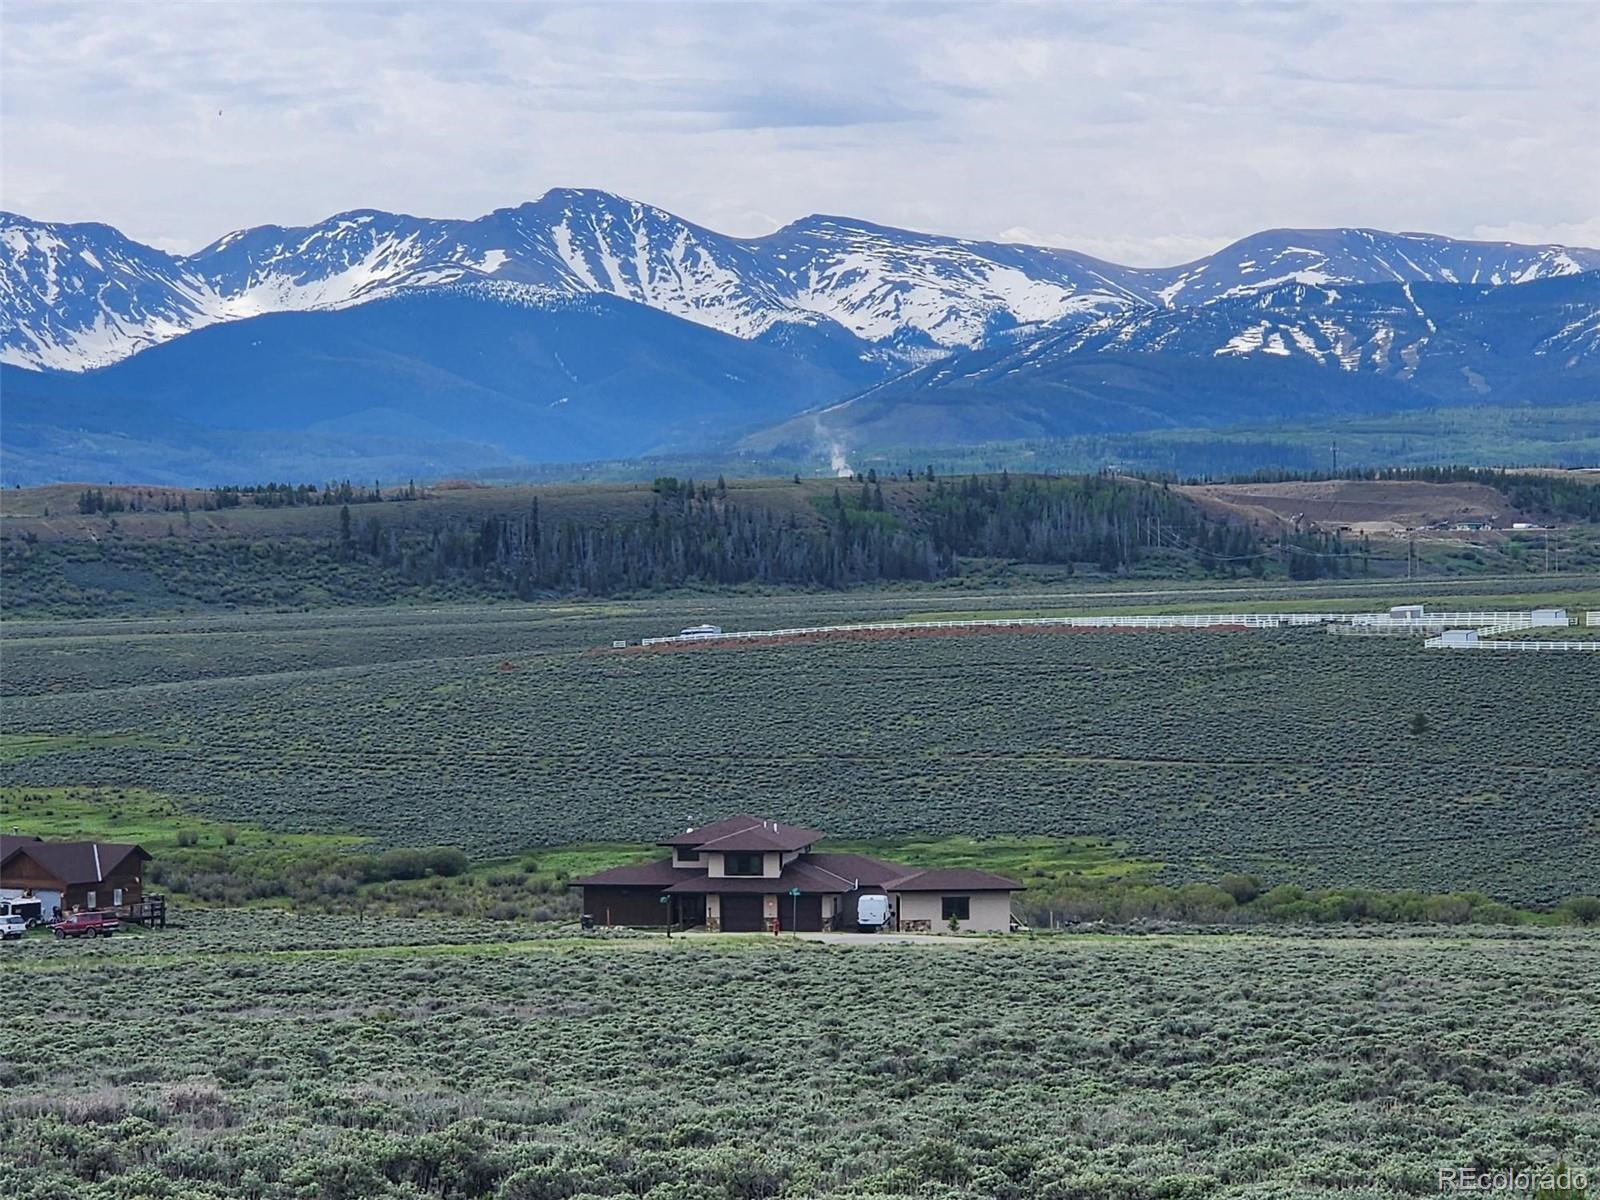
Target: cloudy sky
[{"x": 1144, "y": 133}]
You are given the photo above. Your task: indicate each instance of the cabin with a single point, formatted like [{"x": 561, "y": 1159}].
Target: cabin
[
  {"x": 69, "y": 876},
  {"x": 748, "y": 874}
]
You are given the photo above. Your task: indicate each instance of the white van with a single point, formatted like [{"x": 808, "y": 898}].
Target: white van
[{"x": 872, "y": 912}]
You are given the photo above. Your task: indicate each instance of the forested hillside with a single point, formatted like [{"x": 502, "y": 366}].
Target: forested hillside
[{"x": 278, "y": 545}]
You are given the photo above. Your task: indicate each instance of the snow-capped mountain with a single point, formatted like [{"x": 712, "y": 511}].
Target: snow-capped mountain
[
  {"x": 74, "y": 297},
  {"x": 1290, "y": 351},
  {"x": 1387, "y": 329},
  {"x": 1348, "y": 257}
]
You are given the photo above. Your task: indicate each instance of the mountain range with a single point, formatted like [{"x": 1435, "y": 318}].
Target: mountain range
[{"x": 585, "y": 325}]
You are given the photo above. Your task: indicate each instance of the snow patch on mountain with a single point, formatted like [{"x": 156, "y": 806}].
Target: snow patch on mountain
[{"x": 73, "y": 297}]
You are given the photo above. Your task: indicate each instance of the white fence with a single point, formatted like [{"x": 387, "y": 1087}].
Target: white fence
[
  {"x": 1410, "y": 629},
  {"x": 1185, "y": 621},
  {"x": 1448, "y": 620},
  {"x": 1358, "y": 624},
  {"x": 1521, "y": 644}
]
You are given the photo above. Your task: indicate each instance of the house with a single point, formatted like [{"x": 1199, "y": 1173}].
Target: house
[
  {"x": 747, "y": 874},
  {"x": 64, "y": 876}
]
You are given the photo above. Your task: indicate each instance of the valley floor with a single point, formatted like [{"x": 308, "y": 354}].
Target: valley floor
[
  {"x": 1288, "y": 754},
  {"x": 270, "y": 1055}
]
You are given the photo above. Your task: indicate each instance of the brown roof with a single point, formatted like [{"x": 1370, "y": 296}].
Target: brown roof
[
  {"x": 70, "y": 862},
  {"x": 802, "y": 874},
  {"x": 871, "y": 872},
  {"x": 657, "y": 874},
  {"x": 771, "y": 836},
  {"x": 705, "y": 833},
  {"x": 744, "y": 832},
  {"x": 814, "y": 874},
  {"x": 953, "y": 879}
]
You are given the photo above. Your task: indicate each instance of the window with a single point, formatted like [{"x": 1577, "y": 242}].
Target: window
[
  {"x": 116, "y": 898},
  {"x": 688, "y": 856},
  {"x": 741, "y": 864},
  {"x": 90, "y": 898},
  {"x": 957, "y": 908}
]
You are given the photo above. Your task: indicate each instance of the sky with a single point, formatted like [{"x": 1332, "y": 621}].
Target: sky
[{"x": 1144, "y": 133}]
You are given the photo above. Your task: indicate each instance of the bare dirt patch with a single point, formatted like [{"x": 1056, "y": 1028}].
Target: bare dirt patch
[
  {"x": 1373, "y": 506},
  {"x": 883, "y": 635}
]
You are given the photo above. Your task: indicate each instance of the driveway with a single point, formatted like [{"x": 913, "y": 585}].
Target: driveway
[{"x": 847, "y": 939}]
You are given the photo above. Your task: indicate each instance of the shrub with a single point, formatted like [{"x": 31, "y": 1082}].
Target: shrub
[
  {"x": 1585, "y": 910},
  {"x": 1243, "y": 888}
]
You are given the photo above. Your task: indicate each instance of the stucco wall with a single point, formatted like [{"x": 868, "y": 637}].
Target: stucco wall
[
  {"x": 716, "y": 866},
  {"x": 990, "y": 912}
]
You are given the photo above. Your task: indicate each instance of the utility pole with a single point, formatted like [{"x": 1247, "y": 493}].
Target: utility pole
[{"x": 1336, "y": 456}]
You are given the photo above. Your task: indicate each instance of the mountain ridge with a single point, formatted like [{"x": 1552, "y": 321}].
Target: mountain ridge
[
  {"x": 1292, "y": 351},
  {"x": 74, "y": 296}
]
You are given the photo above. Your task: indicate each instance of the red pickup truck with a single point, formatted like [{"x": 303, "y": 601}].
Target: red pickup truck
[{"x": 87, "y": 924}]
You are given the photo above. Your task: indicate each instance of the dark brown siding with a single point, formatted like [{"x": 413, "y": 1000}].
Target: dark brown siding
[
  {"x": 23, "y": 872},
  {"x": 802, "y": 914},
  {"x": 624, "y": 906},
  {"x": 741, "y": 913},
  {"x": 127, "y": 876}
]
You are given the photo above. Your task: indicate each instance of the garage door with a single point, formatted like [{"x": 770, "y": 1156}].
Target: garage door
[
  {"x": 801, "y": 913},
  {"x": 742, "y": 914}
]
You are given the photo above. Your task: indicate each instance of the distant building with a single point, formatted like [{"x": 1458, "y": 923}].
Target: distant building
[
  {"x": 748, "y": 875},
  {"x": 64, "y": 876}
]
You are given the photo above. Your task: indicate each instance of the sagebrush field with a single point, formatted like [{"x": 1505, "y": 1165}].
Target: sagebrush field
[
  {"x": 1238, "y": 1066},
  {"x": 1291, "y": 755}
]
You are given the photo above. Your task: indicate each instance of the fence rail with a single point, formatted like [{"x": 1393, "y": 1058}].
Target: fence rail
[
  {"x": 1527, "y": 644},
  {"x": 1353, "y": 624},
  {"x": 1184, "y": 621}
]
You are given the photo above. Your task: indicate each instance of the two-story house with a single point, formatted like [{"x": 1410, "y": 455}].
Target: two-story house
[
  {"x": 746, "y": 874},
  {"x": 64, "y": 876}
]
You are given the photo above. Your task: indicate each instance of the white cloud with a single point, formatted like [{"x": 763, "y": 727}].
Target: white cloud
[
  {"x": 1143, "y": 133},
  {"x": 1567, "y": 233}
]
